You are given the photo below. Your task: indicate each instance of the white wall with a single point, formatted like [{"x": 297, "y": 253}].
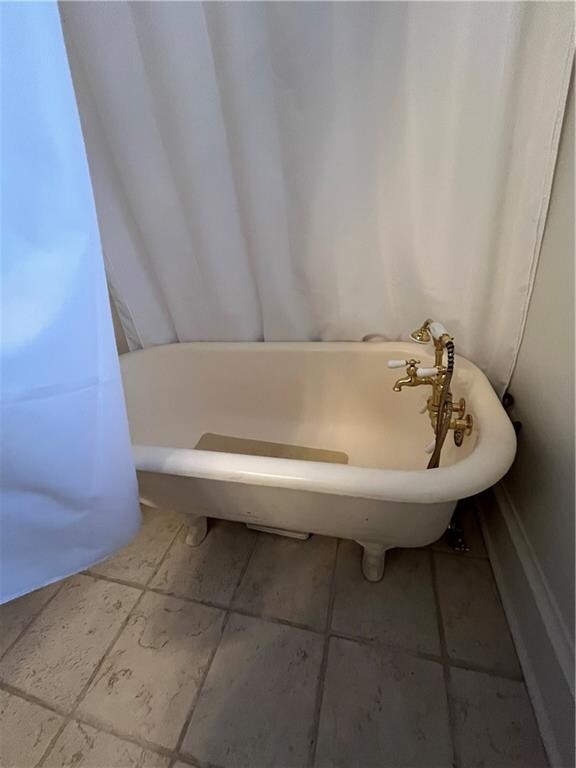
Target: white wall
[
  {"x": 531, "y": 534},
  {"x": 541, "y": 482}
]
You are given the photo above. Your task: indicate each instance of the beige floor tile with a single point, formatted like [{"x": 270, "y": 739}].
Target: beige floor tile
[
  {"x": 474, "y": 621},
  {"x": 399, "y": 610},
  {"x": 289, "y": 579},
  {"x": 495, "y": 725},
  {"x": 138, "y": 561},
  {"x": 16, "y": 614},
  {"x": 81, "y": 746},
  {"x": 149, "y": 681},
  {"x": 257, "y": 704},
  {"x": 382, "y": 709},
  {"x": 210, "y": 571},
  {"x": 472, "y": 534},
  {"x": 25, "y": 732},
  {"x": 55, "y": 657}
]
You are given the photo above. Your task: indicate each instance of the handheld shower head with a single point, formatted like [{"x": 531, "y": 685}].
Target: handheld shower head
[{"x": 422, "y": 335}]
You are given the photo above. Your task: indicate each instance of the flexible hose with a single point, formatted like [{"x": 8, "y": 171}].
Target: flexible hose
[{"x": 444, "y": 415}]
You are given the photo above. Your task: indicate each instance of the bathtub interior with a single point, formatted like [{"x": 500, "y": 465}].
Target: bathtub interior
[{"x": 334, "y": 397}]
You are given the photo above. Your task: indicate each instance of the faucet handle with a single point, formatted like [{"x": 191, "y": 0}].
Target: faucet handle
[
  {"x": 402, "y": 363},
  {"x": 425, "y": 372}
]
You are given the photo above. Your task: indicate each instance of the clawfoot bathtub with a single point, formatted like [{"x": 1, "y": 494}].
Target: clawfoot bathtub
[{"x": 307, "y": 437}]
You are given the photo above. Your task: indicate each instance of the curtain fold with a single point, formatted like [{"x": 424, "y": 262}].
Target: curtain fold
[
  {"x": 288, "y": 171},
  {"x": 68, "y": 495}
]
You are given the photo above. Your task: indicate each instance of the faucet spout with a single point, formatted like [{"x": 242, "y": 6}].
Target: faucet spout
[
  {"x": 407, "y": 381},
  {"x": 411, "y": 379},
  {"x": 401, "y": 383}
]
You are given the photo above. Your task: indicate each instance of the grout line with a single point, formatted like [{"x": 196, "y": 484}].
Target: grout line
[
  {"x": 496, "y": 591},
  {"x": 378, "y": 645},
  {"x": 94, "y": 722},
  {"x": 480, "y": 500},
  {"x": 214, "y": 604},
  {"x": 88, "y": 683},
  {"x": 193, "y": 762},
  {"x": 445, "y": 664},
  {"x": 454, "y": 663},
  {"x": 84, "y": 691},
  {"x": 190, "y": 715},
  {"x": 71, "y": 715},
  {"x": 276, "y": 620},
  {"x": 229, "y": 609},
  {"x": 31, "y": 699},
  {"x": 31, "y": 621},
  {"x": 164, "y": 592},
  {"x": 118, "y": 580},
  {"x": 471, "y": 667},
  {"x": 225, "y": 606},
  {"x": 323, "y": 664},
  {"x": 517, "y": 676},
  {"x": 373, "y": 642},
  {"x": 124, "y": 624},
  {"x": 164, "y": 556},
  {"x": 100, "y": 664},
  {"x": 136, "y": 584}
]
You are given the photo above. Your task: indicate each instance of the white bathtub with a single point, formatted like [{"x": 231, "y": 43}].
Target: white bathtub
[{"x": 332, "y": 396}]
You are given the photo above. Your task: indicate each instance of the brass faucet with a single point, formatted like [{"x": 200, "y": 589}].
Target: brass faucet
[
  {"x": 438, "y": 377},
  {"x": 411, "y": 379}
]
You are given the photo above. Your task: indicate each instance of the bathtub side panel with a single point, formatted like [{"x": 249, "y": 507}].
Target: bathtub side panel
[{"x": 394, "y": 523}]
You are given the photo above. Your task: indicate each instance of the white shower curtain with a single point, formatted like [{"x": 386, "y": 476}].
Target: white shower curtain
[
  {"x": 68, "y": 494},
  {"x": 290, "y": 171}
]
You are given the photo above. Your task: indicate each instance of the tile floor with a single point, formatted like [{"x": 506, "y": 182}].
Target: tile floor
[{"x": 255, "y": 651}]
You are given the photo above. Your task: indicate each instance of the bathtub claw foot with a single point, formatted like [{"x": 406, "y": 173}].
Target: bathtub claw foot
[
  {"x": 373, "y": 558},
  {"x": 197, "y": 530}
]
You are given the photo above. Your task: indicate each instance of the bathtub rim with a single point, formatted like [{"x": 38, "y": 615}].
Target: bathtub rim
[{"x": 490, "y": 459}]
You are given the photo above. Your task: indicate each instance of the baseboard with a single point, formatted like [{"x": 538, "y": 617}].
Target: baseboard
[{"x": 544, "y": 646}]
